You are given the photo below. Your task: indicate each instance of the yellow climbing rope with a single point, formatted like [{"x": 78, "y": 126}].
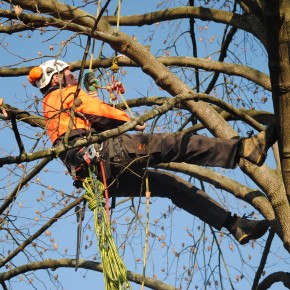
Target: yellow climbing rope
[
  {"x": 114, "y": 68},
  {"x": 119, "y": 14},
  {"x": 114, "y": 269}
]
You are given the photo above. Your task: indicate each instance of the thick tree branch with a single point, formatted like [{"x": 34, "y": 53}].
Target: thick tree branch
[
  {"x": 252, "y": 7},
  {"x": 34, "y": 21},
  {"x": 277, "y": 15},
  {"x": 84, "y": 264},
  {"x": 170, "y": 103},
  {"x": 254, "y": 197},
  {"x": 276, "y": 277},
  {"x": 272, "y": 184},
  {"x": 246, "y": 72},
  {"x": 262, "y": 117},
  {"x": 55, "y": 151},
  {"x": 24, "y": 116},
  {"x": 244, "y": 22}
]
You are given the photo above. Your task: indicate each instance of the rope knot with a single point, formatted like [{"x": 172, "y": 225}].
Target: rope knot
[
  {"x": 92, "y": 203},
  {"x": 92, "y": 189}
]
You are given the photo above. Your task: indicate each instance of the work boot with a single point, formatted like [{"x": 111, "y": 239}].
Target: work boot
[
  {"x": 245, "y": 230},
  {"x": 255, "y": 148}
]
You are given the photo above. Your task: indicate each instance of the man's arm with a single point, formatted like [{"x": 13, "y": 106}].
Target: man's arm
[{"x": 101, "y": 115}]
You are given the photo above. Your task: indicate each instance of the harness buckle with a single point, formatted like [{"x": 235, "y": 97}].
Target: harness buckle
[{"x": 84, "y": 158}]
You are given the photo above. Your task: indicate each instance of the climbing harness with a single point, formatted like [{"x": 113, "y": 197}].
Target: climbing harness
[
  {"x": 114, "y": 269},
  {"x": 97, "y": 199},
  {"x": 84, "y": 157}
]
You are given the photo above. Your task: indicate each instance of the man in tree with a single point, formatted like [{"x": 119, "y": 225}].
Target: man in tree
[{"x": 127, "y": 157}]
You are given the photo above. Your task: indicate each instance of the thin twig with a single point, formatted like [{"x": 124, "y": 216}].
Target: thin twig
[{"x": 263, "y": 259}]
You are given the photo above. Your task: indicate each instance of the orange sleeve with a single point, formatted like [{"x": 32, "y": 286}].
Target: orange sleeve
[
  {"x": 101, "y": 116},
  {"x": 94, "y": 106}
]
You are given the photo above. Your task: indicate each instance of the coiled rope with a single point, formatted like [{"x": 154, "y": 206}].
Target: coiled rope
[{"x": 114, "y": 269}]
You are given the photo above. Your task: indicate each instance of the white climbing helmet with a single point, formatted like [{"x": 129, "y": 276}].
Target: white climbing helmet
[{"x": 40, "y": 76}]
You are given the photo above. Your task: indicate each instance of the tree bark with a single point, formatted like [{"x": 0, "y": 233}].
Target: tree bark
[
  {"x": 277, "y": 25},
  {"x": 84, "y": 264}
]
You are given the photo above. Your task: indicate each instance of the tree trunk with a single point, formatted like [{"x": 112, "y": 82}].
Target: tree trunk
[{"x": 277, "y": 24}]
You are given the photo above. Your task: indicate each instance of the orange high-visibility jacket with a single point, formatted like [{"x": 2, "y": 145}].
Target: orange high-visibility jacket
[{"x": 90, "y": 113}]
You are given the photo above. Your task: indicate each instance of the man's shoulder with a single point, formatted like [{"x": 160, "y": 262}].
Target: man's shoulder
[{"x": 57, "y": 90}]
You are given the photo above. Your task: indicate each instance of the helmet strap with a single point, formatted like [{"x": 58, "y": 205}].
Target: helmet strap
[{"x": 64, "y": 79}]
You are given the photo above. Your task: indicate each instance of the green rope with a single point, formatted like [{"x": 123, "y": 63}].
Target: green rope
[{"x": 115, "y": 272}]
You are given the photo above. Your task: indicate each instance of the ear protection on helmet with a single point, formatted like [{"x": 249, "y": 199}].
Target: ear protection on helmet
[{"x": 35, "y": 74}]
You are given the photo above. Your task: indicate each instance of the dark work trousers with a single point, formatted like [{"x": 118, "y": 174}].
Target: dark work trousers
[{"x": 145, "y": 150}]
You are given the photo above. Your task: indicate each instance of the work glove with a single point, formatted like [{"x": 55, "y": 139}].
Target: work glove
[
  {"x": 90, "y": 82},
  {"x": 140, "y": 127}
]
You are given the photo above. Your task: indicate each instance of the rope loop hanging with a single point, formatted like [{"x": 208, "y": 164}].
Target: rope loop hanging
[
  {"x": 119, "y": 14},
  {"x": 114, "y": 269}
]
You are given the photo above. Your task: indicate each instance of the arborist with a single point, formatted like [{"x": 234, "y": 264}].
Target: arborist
[{"x": 128, "y": 155}]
